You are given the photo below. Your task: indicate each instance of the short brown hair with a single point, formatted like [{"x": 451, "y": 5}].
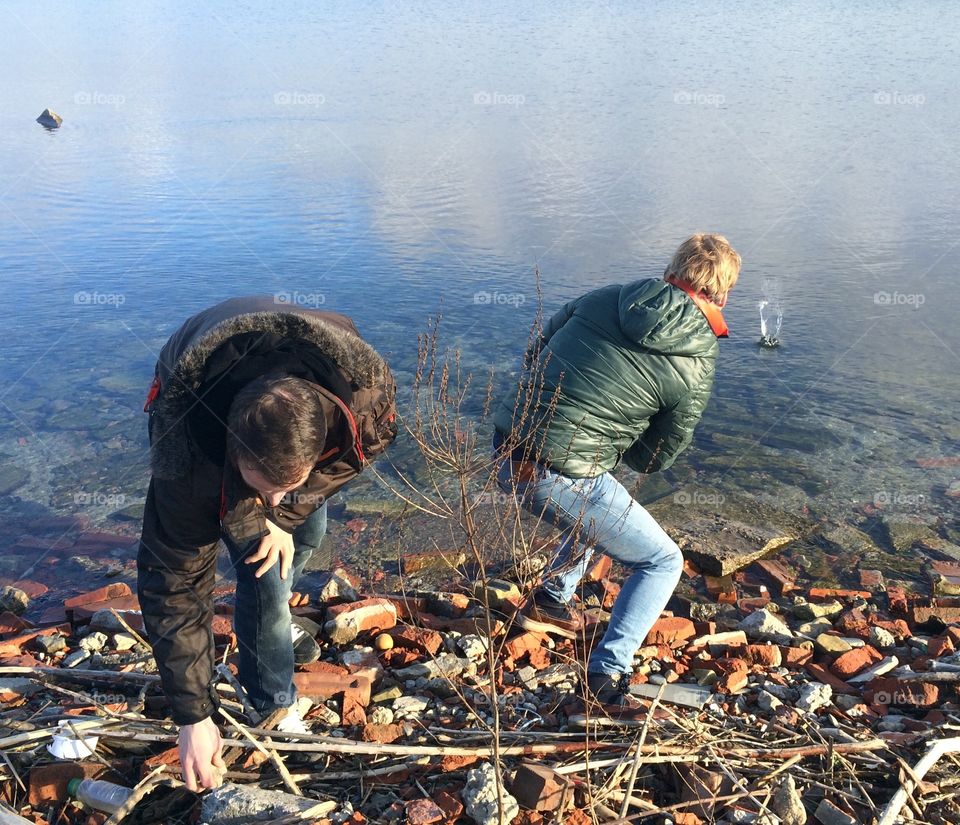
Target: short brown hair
[
  {"x": 707, "y": 263},
  {"x": 277, "y": 426}
]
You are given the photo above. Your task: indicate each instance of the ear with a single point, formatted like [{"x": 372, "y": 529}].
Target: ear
[{"x": 722, "y": 300}]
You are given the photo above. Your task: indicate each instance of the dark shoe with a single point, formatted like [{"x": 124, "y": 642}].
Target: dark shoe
[
  {"x": 305, "y": 647},
  {"x": 545, "y": 615},
  {"x": 608, "y": 703}
]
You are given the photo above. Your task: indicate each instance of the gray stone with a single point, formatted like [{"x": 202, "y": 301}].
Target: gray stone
[
  {"x": 528, "y": 677},
  {"x": 834, "y": 645},
  {"x": 13, "y": 599},
  {"x": 814, "y": 696},
  {"x": 106, "y": 621},
  {"x": 238, "y": 804},
  {"x": 380, "y": 716},
  {"x": 787, "y": 803},
  {"x": 480, "y": 797},
  {"x": 409, "y": 706},
  {"x": 829, "y": 814},
  {"x": 810, "y": 611},
  {"x": 123, "y": 642},
  {"x": 75, "y": 658},
  {"x": 762, "y": 624},
  {"x": 94, "y": 641},
  {"x": 446, "y": 665},
  {"x": 767, "y": 701},
  {"x": 49, "y": 119},
  {"x": 51, "y": 644},
  {"x": 882, "y": 639},
  {"x": 474, "y": 647}
]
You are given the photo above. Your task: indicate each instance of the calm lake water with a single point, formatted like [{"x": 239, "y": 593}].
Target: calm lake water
[{"x": 394, "y": 160}]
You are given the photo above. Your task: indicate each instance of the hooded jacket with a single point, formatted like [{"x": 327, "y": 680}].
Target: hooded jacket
[
  {"x": 196, "y": 495},
  {"x": 621, "y": 373}
]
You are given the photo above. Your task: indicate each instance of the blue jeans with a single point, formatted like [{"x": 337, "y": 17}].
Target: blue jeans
[
  {"x": 599, "y": 513},
  {"x": 261, "y": 617}
]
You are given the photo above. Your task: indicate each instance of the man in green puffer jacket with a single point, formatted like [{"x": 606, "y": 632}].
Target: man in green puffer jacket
[{"x": 621, "y": 373}]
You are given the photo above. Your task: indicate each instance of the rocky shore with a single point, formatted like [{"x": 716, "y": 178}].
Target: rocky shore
[{"x": 767, "y": 700}]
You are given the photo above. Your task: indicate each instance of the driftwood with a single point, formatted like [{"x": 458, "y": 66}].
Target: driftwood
[{"x": 935, "y": 750}]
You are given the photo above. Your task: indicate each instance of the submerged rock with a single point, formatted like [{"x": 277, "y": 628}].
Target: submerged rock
[{"x": 49, "y": 119}]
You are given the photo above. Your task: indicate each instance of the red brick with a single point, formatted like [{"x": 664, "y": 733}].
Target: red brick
[
  {"x": 940, "y": 646},
  {"x": 947, "y": 610},
  {"x": 417, "y": 638},
  {"x": 794, "y": 656},
  {"x": 423, "y": 812},
  {"x": 826, "y": 594},
  {"x": 323, "y": 686},
  {"x": 10, "y": 624},
  {"x": 538, "y": 788},
  {"x": 539, "y": 658},
  {"x": 116, "y": 590},
  {"x": 457, "y": 763},
  {"x": 599, "y": 569},
  {"x": 871, "y": 579},
  {"x": 765, "y": 655},
  {"x": 441, "y": 561},
  {"x": 352, "y": 713},
  {"x": 849, "y": 664},
  {"x": 732, "y": 682},
  {"x": 451, "y": 806},
  {"x": 780, "y": 574},
  {"x": 354, "y": 618},
  {"x": 103, "y": 541},
  {"x": 384, "y": 734},
  {"x": 821, "y": 674},
  {"x": 84, "y": 612},
  {"x": 33, "y": 589},
  {"x": 720, "y": 585},
  {"x": 897, "y": 599},
  {"x": 892, "y": 691},
  {"x": 523, "y": 644},
  {"x": 671, "y": 632}
]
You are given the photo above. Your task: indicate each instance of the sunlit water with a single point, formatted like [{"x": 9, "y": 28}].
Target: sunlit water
[{"x": 392, "y": 161}]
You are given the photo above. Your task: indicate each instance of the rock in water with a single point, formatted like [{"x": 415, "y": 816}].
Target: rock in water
[
  {"x": 480, "y": 797},
  {"x": 49, "y": 120},
  {"x": 787, "y": 803}
]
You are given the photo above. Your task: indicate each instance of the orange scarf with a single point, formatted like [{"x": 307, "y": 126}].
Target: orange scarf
[{"x": 709, "y": 309}]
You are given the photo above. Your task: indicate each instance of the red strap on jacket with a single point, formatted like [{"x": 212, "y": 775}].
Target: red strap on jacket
[
  {"x": 152, "y": 394},
  {"x": 709, "y": 309}
]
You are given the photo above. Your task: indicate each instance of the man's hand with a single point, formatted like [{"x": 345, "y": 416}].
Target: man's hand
[
  {"x": 200, "y": 755},
  {"x": 277, "y": 545}
]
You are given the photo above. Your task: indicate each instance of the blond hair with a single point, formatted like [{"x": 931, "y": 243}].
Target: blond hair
[{"x": 707, "y": 263}]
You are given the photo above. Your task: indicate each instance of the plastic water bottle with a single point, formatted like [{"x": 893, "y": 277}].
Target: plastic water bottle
[{"x": 98, "y": 794}]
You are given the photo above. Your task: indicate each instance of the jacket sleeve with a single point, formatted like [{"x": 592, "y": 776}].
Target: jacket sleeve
[
  {"x": 176, "y": 566},
  {"x": 557, "y": 320},
  {"x": 670, "y": 431},
  {"x": 377, "y": 425}
]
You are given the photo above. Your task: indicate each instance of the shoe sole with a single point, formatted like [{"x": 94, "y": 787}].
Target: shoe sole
[
  {"x": 544, "y": 627},
  {"x": 581, "y": 720}
]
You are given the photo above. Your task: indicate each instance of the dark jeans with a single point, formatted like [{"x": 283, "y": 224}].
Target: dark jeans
[{"x": 261, "y": 617}]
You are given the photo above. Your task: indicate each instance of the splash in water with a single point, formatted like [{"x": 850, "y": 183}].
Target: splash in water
[{"x": 771, "y": 314}]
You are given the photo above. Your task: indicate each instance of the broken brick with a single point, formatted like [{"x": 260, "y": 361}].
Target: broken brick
[
  {"x": 417, "y": 638},
  {"x": 423, "y": 812},
  {"x": 780, "y": 574},
  {"x": 538, "y": 788},
  {"x": 323, "y": 686},
  {"x": 347, "y": 621},
  {"x": 824, "y": 594},
  {"x": 893, "y": 691},
  {"x": 524, "y": 643},
  {"x": 670, "y": 631},
  {"x": 384, "y": 734},
  {"x": 599, "y": 568},
  {"x": 117, "y": 590},
  {"x": 849, "y": 664},
  {"x": 451, "y": 806}
]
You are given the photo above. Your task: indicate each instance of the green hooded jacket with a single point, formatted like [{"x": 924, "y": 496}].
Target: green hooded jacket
[{"x": 621, "y": 373}]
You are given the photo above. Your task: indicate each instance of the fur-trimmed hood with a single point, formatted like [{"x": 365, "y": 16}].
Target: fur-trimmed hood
[{"x": 180, "y": 367}]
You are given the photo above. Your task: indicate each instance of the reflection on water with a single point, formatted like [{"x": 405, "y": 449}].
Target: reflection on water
[{"x": 394, "y": 162}]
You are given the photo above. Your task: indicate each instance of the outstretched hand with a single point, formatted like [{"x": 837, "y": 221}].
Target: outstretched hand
[
  {"x": 278, "y": 544},
  {"x": 201, "y": 755}
]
